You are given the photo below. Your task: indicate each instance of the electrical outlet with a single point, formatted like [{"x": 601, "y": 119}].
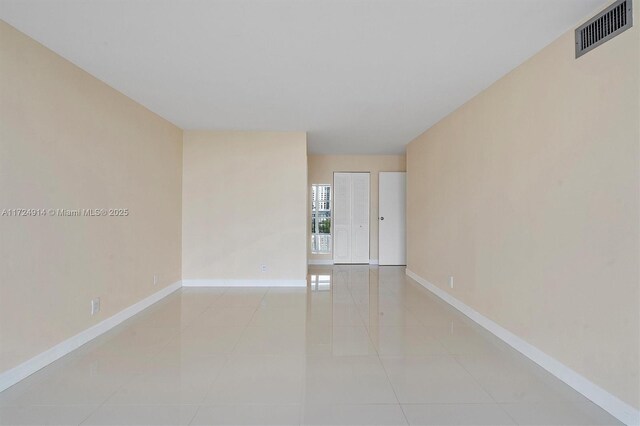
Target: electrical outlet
[
  {"x": 155, "y": 279},
  {"x": 95, "y": 306},
  {"x": 451, "y": 281},
  {"x": 263, "y": 268}
]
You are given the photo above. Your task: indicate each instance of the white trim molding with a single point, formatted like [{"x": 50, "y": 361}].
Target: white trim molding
[
  {"x": 244, "y": 283},
  {"x": 320, "y": 262},
  {"x": 27, "y": 368},
  {"x": 609, "y": 402},
  {"x": 373, "y": 261}
]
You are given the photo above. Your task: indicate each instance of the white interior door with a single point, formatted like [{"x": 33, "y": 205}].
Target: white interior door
[
  {"x": 351, "y": 217},
  {"x": 360, "y": 218},
  {"x": 392, "y": 245},
  {"x": 341, "y": 217}
]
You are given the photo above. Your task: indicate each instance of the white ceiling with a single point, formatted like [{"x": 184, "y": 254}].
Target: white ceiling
[{"x": 361, "y": 76}]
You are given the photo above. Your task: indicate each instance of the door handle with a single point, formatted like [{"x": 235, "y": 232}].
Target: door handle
[{"x": 381, "y": 217}]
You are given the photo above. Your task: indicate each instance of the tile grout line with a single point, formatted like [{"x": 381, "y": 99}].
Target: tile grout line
[
  {"x": 136, "y": 375},
  {"x": 455, "y": 357},
  {"x": 386, "y": 373},
  {"x": 206, "y": 393},
  {"x": 227, "y": 356},
  {"x": 133, "y": 376},
  {"x": 194, "y": 415}
]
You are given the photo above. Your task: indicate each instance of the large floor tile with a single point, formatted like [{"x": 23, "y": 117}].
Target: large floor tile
[
  {"x": 456, "y": 414},
  {"x": 60, "y": 393},
  {"x": 14, "y": 395},
  {"x": 272, "y": 340},
  {"x": 401, "y": 341},
  {"x": 550, "y": 414},
  {"x": 83, "y": 380},
  {"x": 462, "y": 339},
  {"x": 242, "y": 296},
  {"x": 83, "y": 383},
  {"x": 178, "y": 309},
  {"x": 164, "y": 390},
  {"x": 142, "y": 415},
  {"x": 340, "y": 315},
  {"x": 259, "y": 380},
  {"x": 204, "y": 340},
  {"x": 225, "y": 316},
  {"x": 172, "y": 380},
  {"x": 348, "y": 414},
  {"x": 437, "y": 317},
  {"x": 433, "y": 379},
  {"x": 510, "y": 378},
  {"x": 45, "y": 415},
  {"x": 347, "y": 380},
  {"x": 248, "y": 414},
  {"x": 279, "y": 316},
  {"x": 103, "y": 366},
  {"x": 284, "y": 296},
  {"x": 178, "y": 364},
  {"x": 134, "y": 341},
  {"x": 392, "y": 316},
  {"x": 339, "y": 341}
]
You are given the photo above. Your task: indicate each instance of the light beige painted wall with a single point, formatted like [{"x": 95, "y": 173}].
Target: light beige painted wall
[
  {"x": 529, "y": 196},
  {"x": 321, "y": 169},
  {"x": 69, "y": 141},
  {"x": 244, "y": 205}
]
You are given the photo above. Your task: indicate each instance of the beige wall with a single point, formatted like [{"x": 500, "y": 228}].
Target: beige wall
[
  {"x": 69, "y": 141},
  {"x": 321, "y": 168},
  {"x": 244, "y": 205},
  {"x": 529, "y": 196}
]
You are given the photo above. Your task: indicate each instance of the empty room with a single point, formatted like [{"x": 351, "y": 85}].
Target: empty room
[{"x": 319, "y": 212}]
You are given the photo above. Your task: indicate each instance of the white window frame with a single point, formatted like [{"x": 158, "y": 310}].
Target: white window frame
[{"x": 315, "y": 209}]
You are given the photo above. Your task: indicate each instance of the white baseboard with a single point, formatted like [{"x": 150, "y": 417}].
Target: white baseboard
[
  {"x": 610, "y": 403},
  {"x": 244, "y": 283},
  {"x": 320, "y": 262},
  {"x": 330, "y": 262},
  {"x": 13, "y": 376}
]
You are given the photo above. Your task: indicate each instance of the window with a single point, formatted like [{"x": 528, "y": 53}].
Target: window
[{"x": 320, "y": 219}]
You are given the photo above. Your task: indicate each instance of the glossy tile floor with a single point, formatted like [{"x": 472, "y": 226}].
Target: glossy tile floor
[{"x": 360, "y": 345}]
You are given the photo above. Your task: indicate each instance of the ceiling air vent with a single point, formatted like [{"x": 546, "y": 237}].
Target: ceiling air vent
[{"x": 604, "y": 26}]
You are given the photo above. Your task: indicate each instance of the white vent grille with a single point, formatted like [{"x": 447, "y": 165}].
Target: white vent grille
[{"x": 612, "y": 21}]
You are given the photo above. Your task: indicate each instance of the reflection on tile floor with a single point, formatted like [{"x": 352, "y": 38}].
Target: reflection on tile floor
[{"x": 360, "y": 345}]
